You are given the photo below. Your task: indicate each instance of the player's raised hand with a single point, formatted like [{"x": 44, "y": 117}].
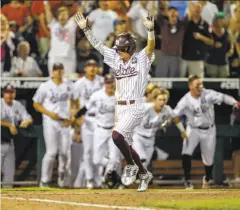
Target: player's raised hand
[
  {"x": 81, "y": 20},
  {"x": 148, "y": 22}
]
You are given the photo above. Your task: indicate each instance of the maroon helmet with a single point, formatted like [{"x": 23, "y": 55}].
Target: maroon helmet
[{"x": 125, "y": 42}]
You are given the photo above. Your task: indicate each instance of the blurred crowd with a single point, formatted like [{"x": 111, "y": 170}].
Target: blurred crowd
[{"x": 192, "y": 37}]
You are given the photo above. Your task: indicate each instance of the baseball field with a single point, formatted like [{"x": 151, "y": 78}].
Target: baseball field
[{"x": 68, "y": 199}]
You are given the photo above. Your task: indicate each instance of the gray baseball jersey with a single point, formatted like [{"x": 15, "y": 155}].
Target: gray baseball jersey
[
  {"x": 200, "y": 111},
  {"x": 152, "y": 120},
  {"x": 55, "y": 98},
  {"x": 15, "y": 113},
  {"x": 104, "y": 107}
]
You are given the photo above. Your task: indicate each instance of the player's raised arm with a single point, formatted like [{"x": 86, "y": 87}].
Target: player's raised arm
[
  {"x": 148, "y": 22},
  {"x": 82, "y": 23},
  {"x": 49, "y": 15}
]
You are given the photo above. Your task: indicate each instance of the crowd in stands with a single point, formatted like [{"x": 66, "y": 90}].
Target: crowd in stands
[{"x": 192, "y": 36}]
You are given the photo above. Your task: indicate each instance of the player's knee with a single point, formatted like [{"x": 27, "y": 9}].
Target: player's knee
[
  {"x": 117, "y": 138},
  {"x": 51, "y": 155}
]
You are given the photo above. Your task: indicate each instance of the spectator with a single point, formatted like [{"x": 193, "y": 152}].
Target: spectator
[
  {"x": 7, "y": 46},
  {"x": 120, "y": 7},
  {"x": 101, "y": 21},
  {"x": 43, "y": 36},
  {"x": 84, "y": 53},
  {"x": 181, "y": 7},
  {"x": 138, "y": 10},
  {"x": 209, "y": 11},
  {"x": 23, "y": 64},
  {"x": 18, "y": 12},
  {"x": 196, "y": 42},
  {"x": 63, "y": 37},
  {"x": 217, "y": 59},
  {"x": 172, "y": 33}
]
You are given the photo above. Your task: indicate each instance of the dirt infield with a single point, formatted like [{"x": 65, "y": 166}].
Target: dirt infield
[{"x": 56, "y": 199}]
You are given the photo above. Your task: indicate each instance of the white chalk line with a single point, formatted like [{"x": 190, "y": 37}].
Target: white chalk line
[{"x": 77, "y": 204}]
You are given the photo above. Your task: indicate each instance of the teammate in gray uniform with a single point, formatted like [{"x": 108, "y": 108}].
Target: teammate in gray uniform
[
  {"x": 198, "y": 107},
  {"x": 155, "y": 115},
  {"x": 131, "y": 72},
  {"x": 12, "y": 112},
  {"x": 83, "y": 89}
]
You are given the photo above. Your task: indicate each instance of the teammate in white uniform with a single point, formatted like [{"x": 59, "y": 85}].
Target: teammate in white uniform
[
  {"x": 105, "y": 152},
  {"x": 131, "y": 70},
  {"x": 63, "y": 36},
  {"x": 155, "y": 115},
  {"x": 52, "y": 99},
  {"x": 198, "y": 107},
  {"x": 83, "y": 89},
  {"x": 151, "y": 91},
  {"x": 12, "y": 112}
]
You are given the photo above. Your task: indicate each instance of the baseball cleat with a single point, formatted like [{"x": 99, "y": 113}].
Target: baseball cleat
[
  {"x": 89, "y": 184},
  {"x": 43, "y": 185},
  {"x": 129, "y": 174},
  {"x": 206, "y": 184},
  {"x": 144, "y": 181},
  {"x": 188, "y": 185},
  {"x": 61, "y": 179}
]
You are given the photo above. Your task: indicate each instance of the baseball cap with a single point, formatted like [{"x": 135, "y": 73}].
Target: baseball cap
[
  {"x": 9, "y": 89},
  {"x": 108, "y": 78},
  {"x": 119, "y": 21},
  {"x": 91, "y": 62},
  {"x": 57, "y": 66}
]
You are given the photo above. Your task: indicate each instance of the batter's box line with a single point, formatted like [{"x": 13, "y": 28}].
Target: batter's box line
[{"x": 77, "y": 204}]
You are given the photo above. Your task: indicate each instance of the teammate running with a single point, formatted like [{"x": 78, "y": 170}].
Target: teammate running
[
  {"x": 131, "y": 72},
  {"x": 155, "y": 116},
  {"x": 198, "y": 107}
]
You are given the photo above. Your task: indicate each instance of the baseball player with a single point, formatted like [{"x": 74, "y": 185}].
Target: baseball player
[
  {"x": 198, "y": 107},
  {"x": 131, "y": 71},
  {"x": 155, "y": 116},
  {"x": 83, "y": 89},
  {"x": 12, "y": 112},
  {"x": 151, "y": 91},
  {"x": 105, "y": 152},
  {"x": 52, "y": 99},
  {"x": 63, "y": 36}
]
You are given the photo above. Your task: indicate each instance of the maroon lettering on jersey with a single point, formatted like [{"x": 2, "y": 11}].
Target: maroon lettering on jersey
[{"x": 125, "y": 72}]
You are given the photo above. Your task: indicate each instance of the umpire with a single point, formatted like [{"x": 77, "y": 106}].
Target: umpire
[{"x": 13, "y": 113}]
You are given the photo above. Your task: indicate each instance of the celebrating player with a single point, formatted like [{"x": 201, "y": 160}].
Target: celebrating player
[
  {"x": 151, "y": 91},
  {"x": 12, "y": 112},
  {"x": 83, "y": 89},
  {"x": 155, "y": 116},
  {"x": 131, "y": 71},
  {"x": 198, "y": 107},
  {"x": 52, "y": 100}
]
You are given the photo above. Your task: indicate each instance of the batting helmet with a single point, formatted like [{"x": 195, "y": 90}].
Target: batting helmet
[{"x": 125, "y": 42}]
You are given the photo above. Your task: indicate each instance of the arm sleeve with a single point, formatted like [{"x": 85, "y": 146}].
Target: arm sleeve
[
  {"x": 219, "y": 98},
  {"x": 146, "y": 61},
  {"x": 92, "y": 101},
  {"x": 109, "y": 57},
  {"x": 180, "y": 108},
  {"x": 23, "y": 112},
  {"x": 76, "y": 90},
  {"x": 40, "y": 95},
  {"x": 132, "y": 13}
]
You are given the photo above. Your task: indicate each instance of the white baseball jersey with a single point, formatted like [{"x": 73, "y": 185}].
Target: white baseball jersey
[
  {"x": 55, "y": 98},
  {"x": 152, "y": 120},
  {"x": 84, "y": 88},
  {"x": 200, "y": 111},
  {"x": 105, "y": 108},
  {"x": 62, "y": 38},
  {"x": 131, "y": 77},
  {"x": 15, "y": 113}
]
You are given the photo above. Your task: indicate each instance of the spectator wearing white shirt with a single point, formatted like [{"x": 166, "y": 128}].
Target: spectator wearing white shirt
[
  {"x": 24, "y": 65},
  {"x": 102, "y": 20},
  {"x": 209, "y": 11},
  {"x": 138, "y": 10}
]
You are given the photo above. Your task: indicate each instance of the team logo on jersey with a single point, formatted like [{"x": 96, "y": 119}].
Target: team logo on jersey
[
  {"x": 122, "y": 72},
  {"x": 134, "y": 60}
]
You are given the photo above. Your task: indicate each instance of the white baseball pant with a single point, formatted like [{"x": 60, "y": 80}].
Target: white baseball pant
[
  {"x": 57, "y": 141},
  {"x": 144, "y": 147},
  {"x": 87, "y": 130},
  {"x": 105, "y": 152},
  {"x": 207, "y": 140},
  {"x": 7, "y": 163},
  {"x": 69, "y": 64},
  {"x": 128, "y": 117}
]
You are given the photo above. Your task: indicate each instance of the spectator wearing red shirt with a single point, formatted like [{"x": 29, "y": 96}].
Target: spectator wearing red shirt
[{"x": 19, "y": 13}]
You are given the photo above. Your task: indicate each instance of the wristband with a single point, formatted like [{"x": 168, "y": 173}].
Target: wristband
[{"x": 151, "y": 35}]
